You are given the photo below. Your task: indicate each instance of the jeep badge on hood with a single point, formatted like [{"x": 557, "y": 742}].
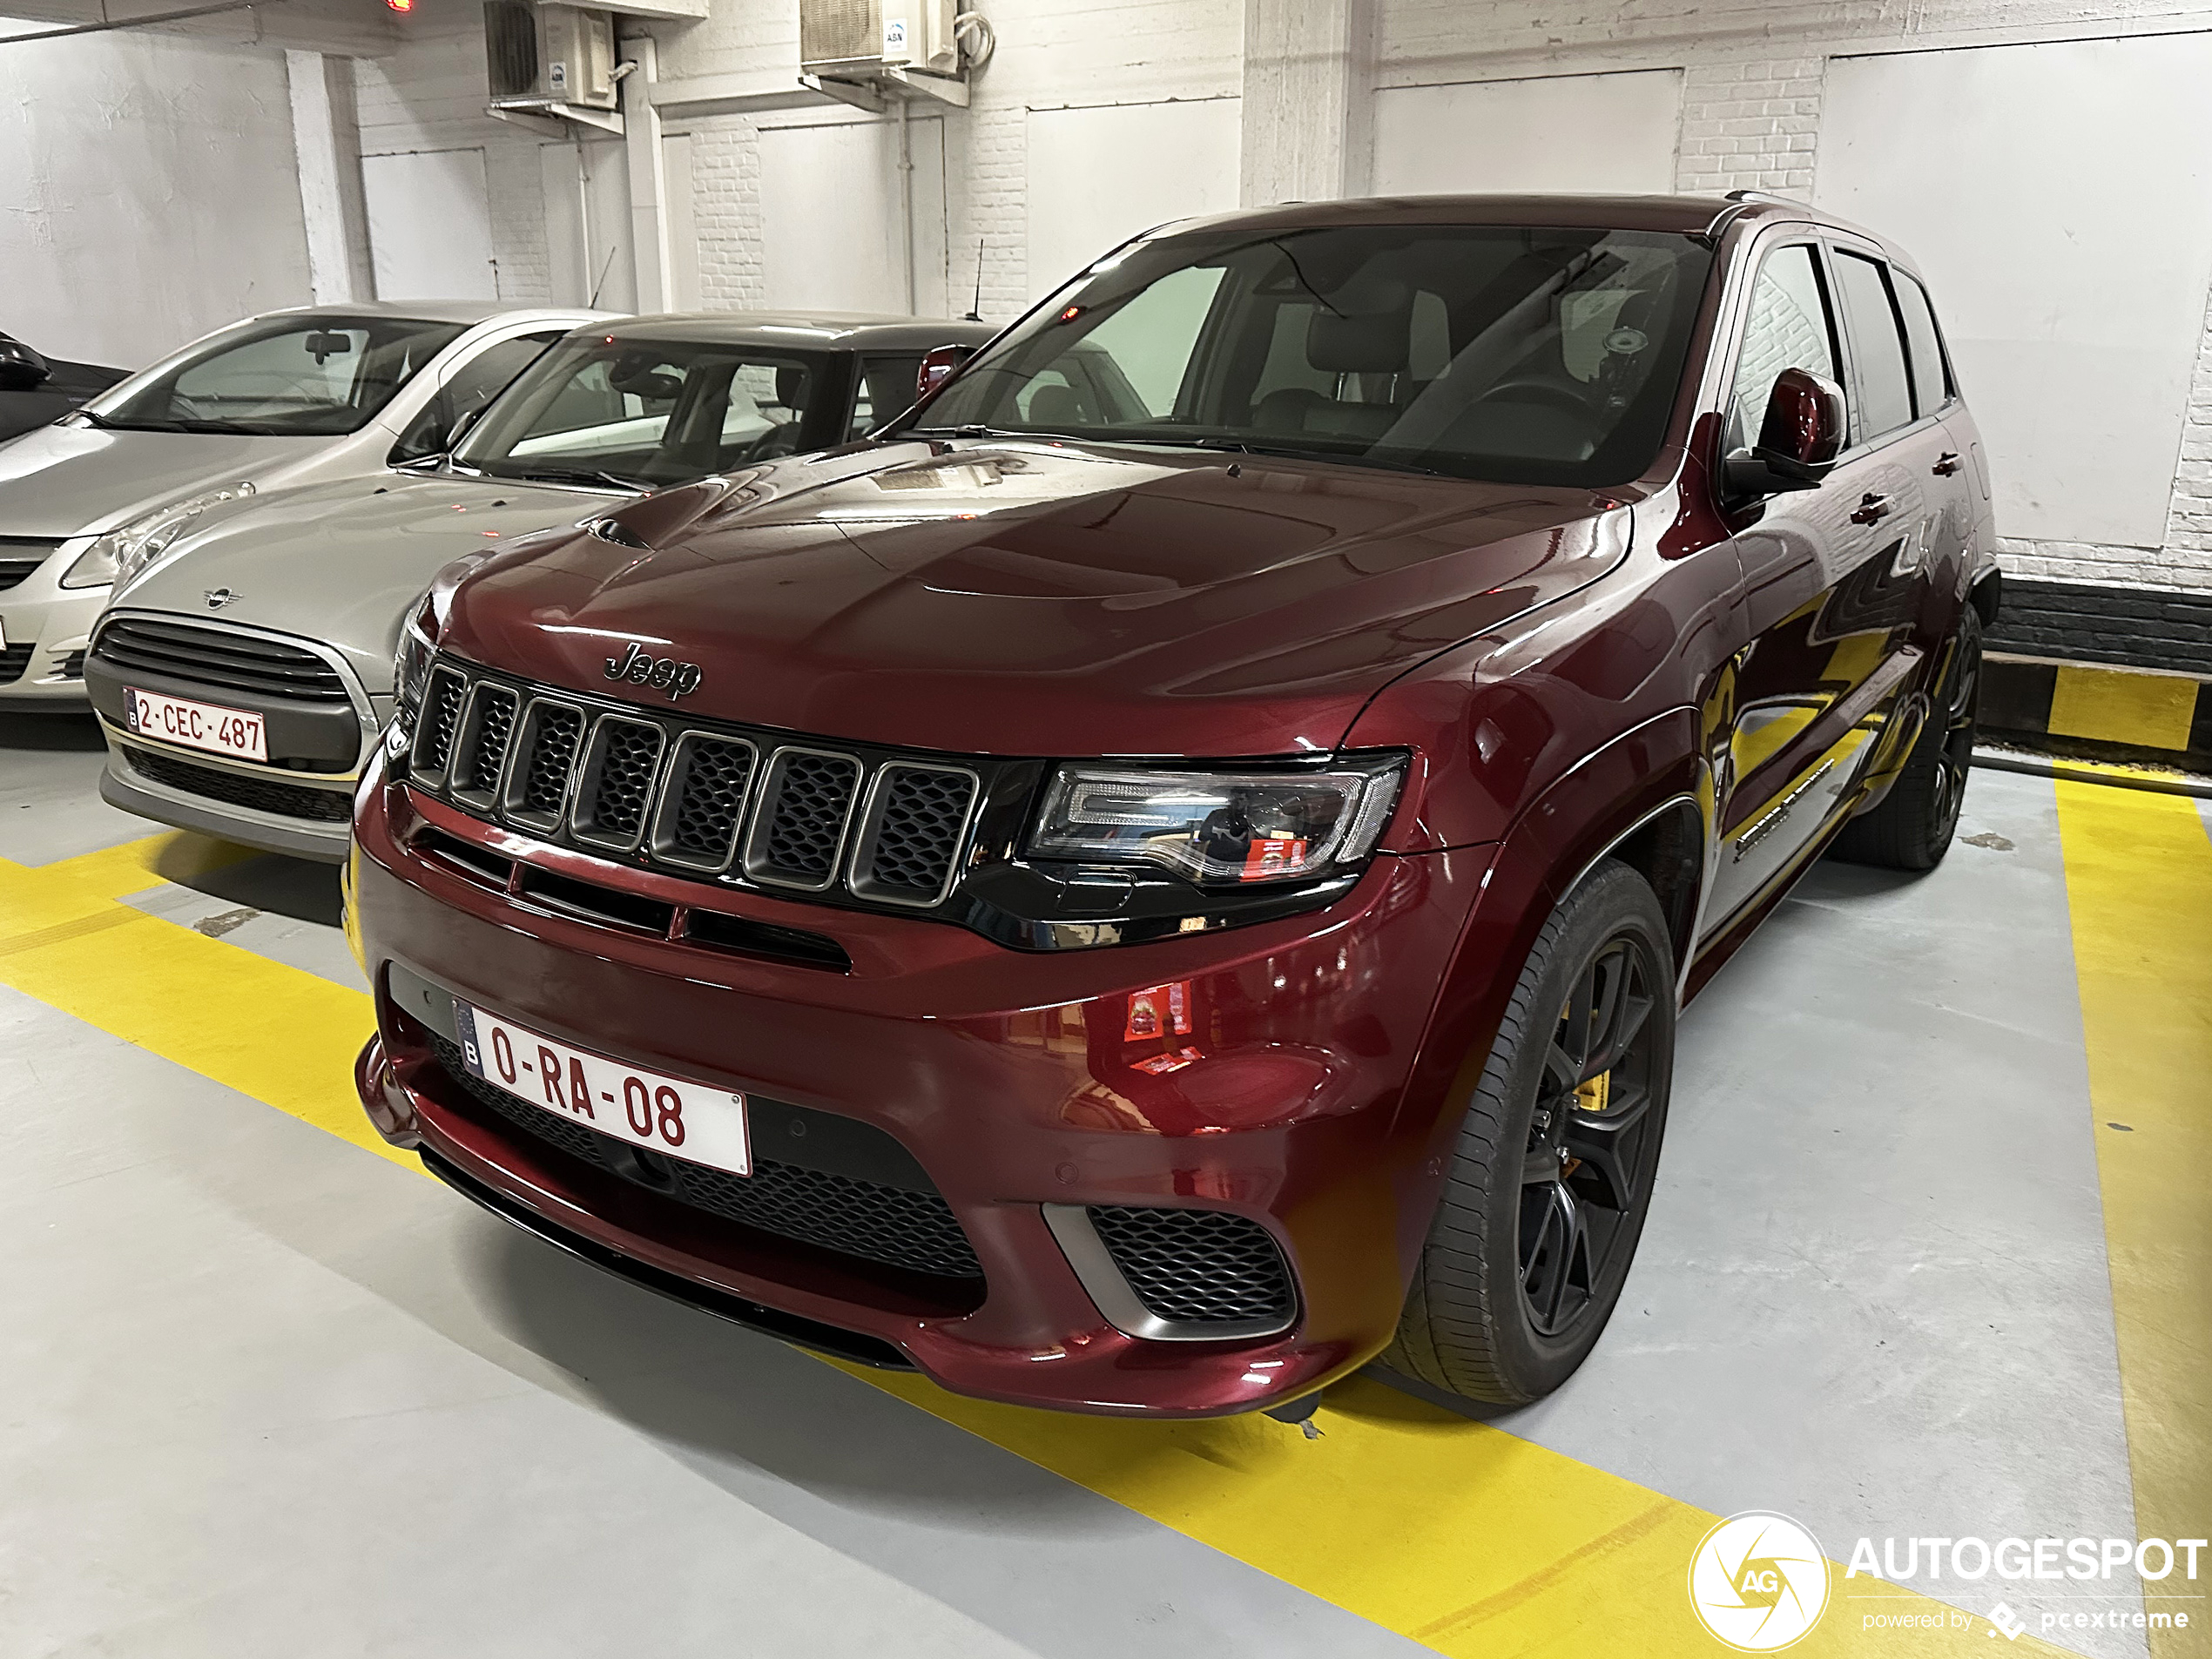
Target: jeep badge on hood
[{"x": 662, "y": 673}]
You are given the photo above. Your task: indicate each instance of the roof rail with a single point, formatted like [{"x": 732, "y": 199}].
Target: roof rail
[{"x": 1739, "y": 202}]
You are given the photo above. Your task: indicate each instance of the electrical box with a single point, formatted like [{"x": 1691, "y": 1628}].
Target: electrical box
[
  {"x": 851, "y": 38},
  {"x": 551, "y": 54}
]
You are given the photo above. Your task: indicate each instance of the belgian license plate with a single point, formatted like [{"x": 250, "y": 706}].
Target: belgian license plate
[
  {"x": 196, "y": 725},
  {"x": 683, "y": 1119}
]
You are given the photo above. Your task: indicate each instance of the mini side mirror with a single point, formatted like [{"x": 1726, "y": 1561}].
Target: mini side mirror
[
  {"x": 1799, "y": 438},
  {"x": 21, "y": 368},
  {"x": 937, "y": 367}
]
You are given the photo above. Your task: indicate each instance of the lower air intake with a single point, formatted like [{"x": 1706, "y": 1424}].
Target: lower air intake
[{"x": 1197, "y": 1267}]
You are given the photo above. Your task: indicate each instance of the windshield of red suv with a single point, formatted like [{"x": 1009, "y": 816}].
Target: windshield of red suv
[
  {"x": 312, "y": 376},
  {"x": 1517, "y": 354},
  {"x": 645, "y": 413}
]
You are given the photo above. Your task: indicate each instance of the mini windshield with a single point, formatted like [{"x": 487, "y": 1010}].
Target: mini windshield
[
  {"x": 285, "y": 376},
  {"x": 1519, "y": 354},
  {"x": 634, "y": 415}
]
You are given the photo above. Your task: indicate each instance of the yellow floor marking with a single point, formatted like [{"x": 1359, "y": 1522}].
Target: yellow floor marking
[
  {"x": 1454, "y": 1534},
  {"x": 2152, "y": 711},
  {"x": 275, "y": 1032},
  {"x": 2138, "y": 883}
]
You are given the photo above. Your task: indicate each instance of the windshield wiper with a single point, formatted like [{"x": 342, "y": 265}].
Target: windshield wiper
[
  {"x": 971, "y": 432},
  {"x": 1287, "y": 451},
  {"x": 583, "y": 476}
]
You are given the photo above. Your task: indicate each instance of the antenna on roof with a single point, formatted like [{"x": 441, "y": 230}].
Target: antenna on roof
[
  {"x": 975, "y": 311},
  {"x": 593, "y": 302}
]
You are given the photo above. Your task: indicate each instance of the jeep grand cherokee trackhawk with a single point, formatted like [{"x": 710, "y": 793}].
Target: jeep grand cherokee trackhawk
[{"x": 1169, "y": 873}]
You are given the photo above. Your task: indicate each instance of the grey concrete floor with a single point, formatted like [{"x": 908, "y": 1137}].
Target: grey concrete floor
[{"x": 265, "y": 1394}]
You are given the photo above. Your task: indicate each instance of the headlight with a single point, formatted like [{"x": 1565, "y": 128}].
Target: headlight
[
  {"x": 123, "y": 553},
  {"x": 411, "y": 663},
  {"x": 1220, "y": 826}
]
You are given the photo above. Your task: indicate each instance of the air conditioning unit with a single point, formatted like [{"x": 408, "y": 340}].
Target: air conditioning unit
[
  {"x": 542, "y": 55},
  {"x": 861, "y": 39}
]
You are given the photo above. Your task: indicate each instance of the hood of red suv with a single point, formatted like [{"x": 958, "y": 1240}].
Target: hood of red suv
[{"x": 1036, "y": 599}]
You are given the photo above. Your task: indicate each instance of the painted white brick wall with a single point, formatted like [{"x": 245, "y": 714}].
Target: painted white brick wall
[{"x": 1749, "y": 125}]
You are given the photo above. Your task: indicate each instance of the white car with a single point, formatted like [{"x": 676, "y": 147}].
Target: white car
[{"x": 292, "y": 397}]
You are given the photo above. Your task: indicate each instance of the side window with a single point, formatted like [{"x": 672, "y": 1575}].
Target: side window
[
  {"x": 1931, "y": 384},
  {"x": 1789, "y": 327},
  {"x": 473, "y": 385},
  {"x": 886, "y": 387},
  {"x": 1877, "y": 348}
]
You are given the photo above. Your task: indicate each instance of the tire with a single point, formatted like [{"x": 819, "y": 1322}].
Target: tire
[
  {"x": 1912, "y": 827},
  {"x": 1491, "y": 1315}
]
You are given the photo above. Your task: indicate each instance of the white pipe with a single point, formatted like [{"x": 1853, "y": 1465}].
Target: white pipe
[{"x": 907, "y": 205}]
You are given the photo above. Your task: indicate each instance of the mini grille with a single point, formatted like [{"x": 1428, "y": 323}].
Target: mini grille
[
  {"x": 483, "y": 743},
  {"x": 13, "y": 661},
  {"x": 619, "y": 782},
  {"x": 14, "y": 571},
  {"x": 540, "y": 786},
  {"x": 803, "y": 812},
  {"x": 441, "y": 715},
  {"x": 235, "y": 789},
  {"x": 218, "y": 659},
  {"x": 899, "y": 1228},
  {"x": 73, "y": 669},
  {"x": 703, "y": 801},
  {"x": 913, "y": 835},
  {"x": 1196, "y": 1266}
]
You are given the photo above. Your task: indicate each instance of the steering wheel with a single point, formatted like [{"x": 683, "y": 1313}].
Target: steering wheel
[
  {"x": 1537, "y": 391},
  {"x": 782, "y": 440}
]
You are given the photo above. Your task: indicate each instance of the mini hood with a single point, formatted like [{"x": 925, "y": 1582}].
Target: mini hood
[
  {"x": 341, "y": 561},
  {"x": 76, "y": 480},
  {"x": 1044, "y": 598}
]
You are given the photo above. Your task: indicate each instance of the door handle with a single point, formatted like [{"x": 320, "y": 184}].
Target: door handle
[
  {"x": 1946, "y": 463},
  {"x": 1872, "y": 508}
]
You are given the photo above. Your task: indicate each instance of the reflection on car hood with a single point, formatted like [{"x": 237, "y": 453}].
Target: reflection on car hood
[
  {"x": 1042, "y": 597},
  {"x": 341, "y": 561},
  {"x": 65, "y": 481}
]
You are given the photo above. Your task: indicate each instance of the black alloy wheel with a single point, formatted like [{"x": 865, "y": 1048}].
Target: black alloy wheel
[
  {"x": 1912, "y": 827},
  {"x": 1586, "y": 1176},
  {"x": 1556, "y": 1157}
]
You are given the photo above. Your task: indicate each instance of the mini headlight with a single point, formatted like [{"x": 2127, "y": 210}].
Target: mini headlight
[
  {"x": 1218, "y": 826},
  {"x": 121, "y": 554}
]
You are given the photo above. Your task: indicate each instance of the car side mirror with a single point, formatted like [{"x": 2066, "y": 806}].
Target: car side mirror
[
  {"x": 937, "y": 367},
  {"x": 1799, "y": 438},
  {"x": 21, "y": 368}
]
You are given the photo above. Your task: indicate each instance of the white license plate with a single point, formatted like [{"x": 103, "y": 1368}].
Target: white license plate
[
  {"x": 197, "y": 725},
  {"x": 686, "y": 1120}
]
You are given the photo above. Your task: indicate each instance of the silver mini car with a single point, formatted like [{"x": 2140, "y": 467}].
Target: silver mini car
[
  {"x": 292, "y": 397},
  {"x": 242, "y": 674}
]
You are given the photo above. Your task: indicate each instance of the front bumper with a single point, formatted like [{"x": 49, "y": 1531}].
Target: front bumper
[
  {"x": 1013, "y": 1079},
  {"x": 47, "y": 628}
]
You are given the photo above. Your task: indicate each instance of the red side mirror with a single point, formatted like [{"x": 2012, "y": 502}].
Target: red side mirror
[
  {"x": 1803, "y": 422},
  {"x": 937, "y": 367}
]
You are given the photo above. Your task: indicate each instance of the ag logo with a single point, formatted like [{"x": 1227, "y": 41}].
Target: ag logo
[{"x": 1758, "y": 1581}]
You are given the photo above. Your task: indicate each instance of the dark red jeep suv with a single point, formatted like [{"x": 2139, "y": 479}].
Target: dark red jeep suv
[{"x": 1169, "y": 871}]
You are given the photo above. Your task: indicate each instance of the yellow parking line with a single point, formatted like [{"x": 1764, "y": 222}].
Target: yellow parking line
[
  {"x": 2138, "y": 883},
  {"x": 1450, "y": 1532},
  {"x": 2116, "y": 706}
]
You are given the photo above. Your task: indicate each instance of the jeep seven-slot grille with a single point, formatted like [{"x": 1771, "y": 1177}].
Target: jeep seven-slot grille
[
  {"x": 1196, "y": 1266},
  {"x": 897, "y": 1226},
  {"x": 220, "y": 658},
  {"x": 793, "y": 816}
]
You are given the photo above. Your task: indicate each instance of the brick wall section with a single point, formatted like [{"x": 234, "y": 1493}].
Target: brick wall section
[
  {"x": 2130, "y": 627},
  {"x": 1749, "y": 125},
  {"x": 725, "y": 208}
]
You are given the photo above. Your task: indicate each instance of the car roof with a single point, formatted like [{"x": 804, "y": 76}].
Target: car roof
[
  {"x": 1688, "y": 215},
  {"x": 807, "y": 330},
  {"x": 463, "y": 311}
]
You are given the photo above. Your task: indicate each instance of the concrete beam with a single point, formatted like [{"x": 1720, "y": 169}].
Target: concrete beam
[{"x": 1309, "y": 99}]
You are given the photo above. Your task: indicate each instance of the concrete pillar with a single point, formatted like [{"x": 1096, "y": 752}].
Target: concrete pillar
[
  {"x": 648, "y": 178},
  {"x": 325, "y": 136},
  {"x": 1309, "y": 99}
]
